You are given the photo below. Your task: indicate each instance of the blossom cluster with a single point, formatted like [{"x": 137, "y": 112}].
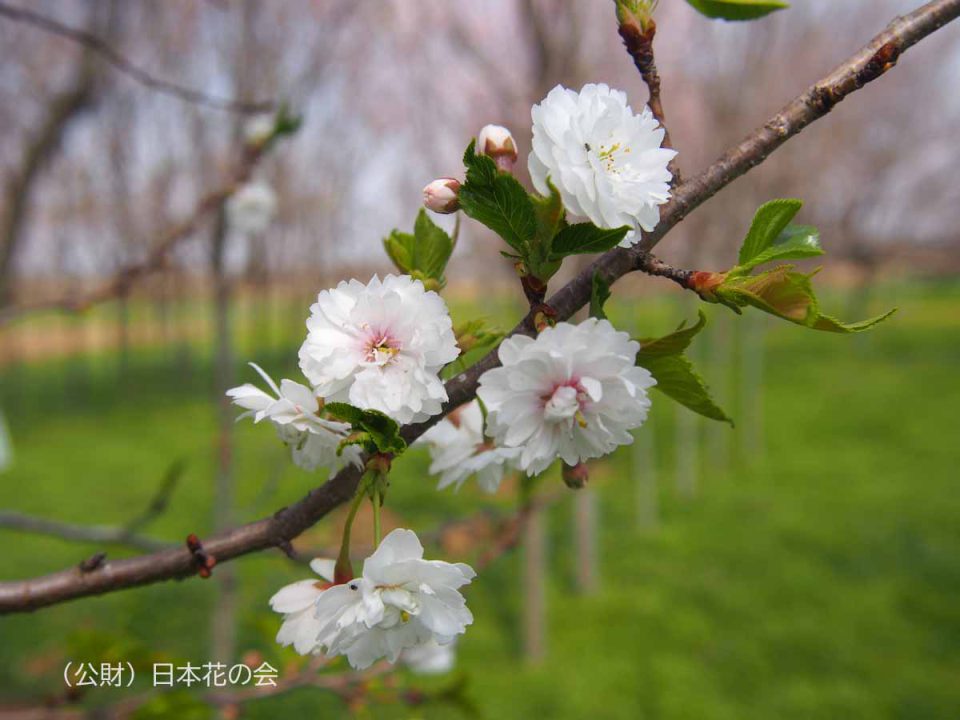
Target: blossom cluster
[
  {"x": 573, "y": 392},
  {"x": 400, "y": 602}
]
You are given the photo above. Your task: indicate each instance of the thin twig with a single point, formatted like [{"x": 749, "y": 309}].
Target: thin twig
[
  {"x": 118, "y": 61},
  {"x": 157, "y": 259},
  {"x": 99, "y": 534},
  {"x": 867, "y": 65},
  {"x": 638, "y": 41}
]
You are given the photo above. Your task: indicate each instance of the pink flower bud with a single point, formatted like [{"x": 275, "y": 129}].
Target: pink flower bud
[
  {"x": 496, "y": 141},
  {"x": 442, "y": 195}
]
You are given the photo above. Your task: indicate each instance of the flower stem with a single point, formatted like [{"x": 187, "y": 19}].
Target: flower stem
[
  {"x": 376, "y": 516},
  {"x": 343, "y": 570}
]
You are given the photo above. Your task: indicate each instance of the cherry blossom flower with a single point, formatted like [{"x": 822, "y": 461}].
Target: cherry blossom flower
[
  {"x": 400, "y": 602},
  {"x": 574, "y": 392},
  {"x": 252, "y": 208},
  {"x": 301, "y": 627},
  {"x": 605, "y": 161},
  {"x": 380, "y": 346},
  {"x": 458, "y": 450},
  {"x": 294, "y": 413},
  {"x": 431, "y": 658}
]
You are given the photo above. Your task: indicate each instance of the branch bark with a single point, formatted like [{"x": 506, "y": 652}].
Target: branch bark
[
  {"x": 865, "y": 66},
  {"x": 97, "y": 45}
]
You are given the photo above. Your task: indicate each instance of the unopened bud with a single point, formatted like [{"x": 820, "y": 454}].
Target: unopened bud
[
  {"x": 442, "y": 195},
  {"x": 259, "y": 129},
  {"x": 575, "y": 476},
  {"x": 496, "y": 141}
]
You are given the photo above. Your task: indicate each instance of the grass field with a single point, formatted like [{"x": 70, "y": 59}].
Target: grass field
[{"x": 816, "y": 576}]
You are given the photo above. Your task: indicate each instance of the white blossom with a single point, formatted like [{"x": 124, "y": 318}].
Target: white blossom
[
  {"x": 380, "y": 346},
  {"x": 301, "y": 626},
  {"x": 431, "y": 658},
  {"x": 294, "y": 413},
  {"x": 401, "y": 601},
  {"x": 574, "y": 392},
  {"x": 458, "y": 450},
  {"x": 252, "y": 208},
  {"x": 605, "y": 161}
]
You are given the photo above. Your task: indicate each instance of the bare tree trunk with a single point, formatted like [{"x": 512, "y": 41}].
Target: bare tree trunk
[
  {"x": 534, "y": 587},
  {"x": 687, "y": 441},
  {"x": 752, "y": 350},
  {"x": 644, "y": 465},
  {"x": 223, "y": 621},
  {"x": 585, "y": 509},
  {"x": 719, "y": 436},
  {"x": 39, "y": 151}
]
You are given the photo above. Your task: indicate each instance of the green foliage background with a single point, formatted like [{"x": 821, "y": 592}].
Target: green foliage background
[{"x": 818, "y": 578}]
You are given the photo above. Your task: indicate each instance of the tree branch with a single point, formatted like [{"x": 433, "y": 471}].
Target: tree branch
[
  {"x": 111, "y": 535},
  {"x": 118, "y": 61},
  {"x": 100, "y": 534},
  {"x": 867, "y": 65},
  {"x": 639, "y": 44},
  {"x": 157, "y": 258}
]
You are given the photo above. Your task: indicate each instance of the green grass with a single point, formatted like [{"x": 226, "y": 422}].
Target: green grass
[{"x": 815, "y": 577}]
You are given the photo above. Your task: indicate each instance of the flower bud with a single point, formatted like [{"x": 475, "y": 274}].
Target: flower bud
[
  {"x": 259, "y": 129},
  {"x": 496, "y": 141},
  {"x": 575, "y": 476},
  {"x": 442, "y": 195}
]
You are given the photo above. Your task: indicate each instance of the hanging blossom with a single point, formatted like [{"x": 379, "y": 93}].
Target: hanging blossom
[
  {"x": 294, "y": 413},
  {"x": 380, "y": 346},
  {"x": 252, "y": 208},
  {"x": 431, "y": 658},
  {"x": 605, "y": 161},
  {"x": 458, "y": 450},
  {"x": 401, "y": 601},
  {"x": 574, "y": 392}
]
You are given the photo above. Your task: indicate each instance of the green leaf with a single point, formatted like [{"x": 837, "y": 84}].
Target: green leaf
[
  {"x": 586, "y": 238},
  {"x": 789, "y": 295},
  {"x": 498, "y": 201},
  {"x": 550, "y": 217},
  {"x": 677, "y": 379},
  {"x": 433, "y": 247},
  {"x": 475, "y": 339},
  {"x": 380, "y": 430},
  {"x": 664, "y": 359},
  {"x": 769, "y": 221},
  {"x": 424, "y": 254},
  {"x": 401, "y": 248},
  {"x": 737, "y": 9},
  {"x": 599, "y": 294},
  {"x": 795, "y": 242},
  {"x": 674, "y": 343}
]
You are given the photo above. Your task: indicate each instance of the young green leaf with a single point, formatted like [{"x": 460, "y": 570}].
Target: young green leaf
[
  {"x": 433, "y": 247},
  {"x": 789, "y": 295},
  {"x": 599, "y": 294},
  {"x": 674, "y": 373},
  {"x": 674, "y": 343},
  {"x": 400, "y": 248},
  {"x": 372, "y": 426},
  {"x": 475, "y": 339},
  {"x": 769, "y": 221},
  {"x": 585, "y": 238},
  {"x": 498, "y": 201},
  {"x": 795, "y": 242},
  {"x": 737, "y": 9}
]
